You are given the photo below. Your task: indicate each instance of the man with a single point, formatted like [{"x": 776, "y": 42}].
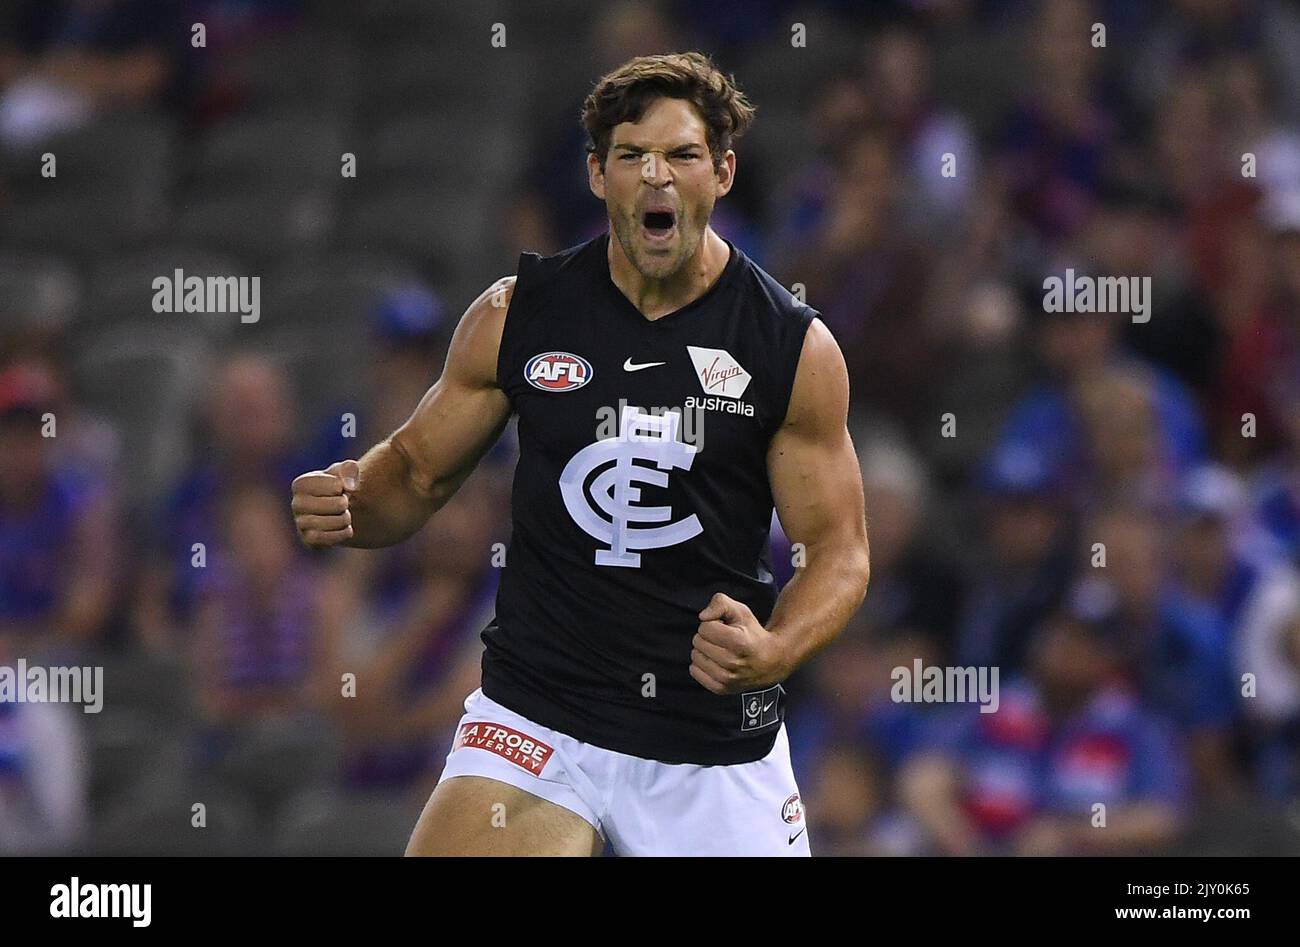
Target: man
[
  {"x": 632, "y": 676},
  {"x": 1071, "y": 734},
  {"x": 57, "y": 524}
]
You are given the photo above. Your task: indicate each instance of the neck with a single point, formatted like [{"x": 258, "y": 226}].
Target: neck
[{"x": 654, "y": 297}]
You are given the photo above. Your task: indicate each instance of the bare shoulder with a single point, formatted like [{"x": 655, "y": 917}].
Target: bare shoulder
[
  {"x": 820, "y": 398},
  {"x": 472, "y": 355},
  {"x": 496, "y": 298}
]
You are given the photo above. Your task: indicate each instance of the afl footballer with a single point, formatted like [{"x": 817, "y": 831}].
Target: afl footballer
[{"x": 670, "y": 395}]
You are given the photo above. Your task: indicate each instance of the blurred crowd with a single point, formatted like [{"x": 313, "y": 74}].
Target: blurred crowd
[{"x": 1105, "y": 510}]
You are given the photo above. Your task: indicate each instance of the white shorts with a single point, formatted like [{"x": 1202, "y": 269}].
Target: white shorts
[{"x": 642, "y": 807}]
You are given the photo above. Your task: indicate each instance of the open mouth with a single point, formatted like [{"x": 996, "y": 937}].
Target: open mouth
[{"x": 659, "y": 223}]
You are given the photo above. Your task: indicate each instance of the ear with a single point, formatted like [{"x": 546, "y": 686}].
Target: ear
[
  {"x": 595, "y": 176},
  {"x": 726, "y": 174}
]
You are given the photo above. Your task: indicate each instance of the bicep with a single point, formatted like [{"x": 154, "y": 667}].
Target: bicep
[
  {"x": 463, "y": 414},
  {"x": 812, "y": 466}
]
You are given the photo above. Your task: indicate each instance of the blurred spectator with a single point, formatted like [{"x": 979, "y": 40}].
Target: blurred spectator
[
  {"x": 249, "y": 415},
  {"x": 1121, "y": 437},
  {"x": 843, "y": 802},
  {"x": 1196, "y": 31},
  {"x": 1028, "y": 778},
  {"x": 1055, "y": 142},
  {"x": 43, "y": 773},
  {"x": 840, "y": 689},
  {"x": 728, "y": 24},
  {"x": 1277, "y": 505},
  {"x": 840, "y": 243},
  {"x": 847, "y": 727},
  {"x": 414, "y": 639},
  {"x": 912, "y": 586},
  {"x": 1024, "y": 559},
  {"x": 1179, "y": 646},
  {"x": 71, "y": 59},
  {"x": 1261, "y": 371},
  {"x": 1222, "y": 561},
  {"x": 410, "y": 326},
  {"x": 1074, "y": 348},
  {"x": 980, "y": 318},
  {"x": 87, "y": 440},
  {"x": 1134, "y": 231},
  {"x": 1268, "y": 649},
  {"x": 267, "y": 625},
  {"x": 57, "y": 534},
  {"x": 924, "y": 135}
]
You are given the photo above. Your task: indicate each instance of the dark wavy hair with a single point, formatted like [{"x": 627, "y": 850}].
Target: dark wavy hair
[{"x": 624, "y": 94}]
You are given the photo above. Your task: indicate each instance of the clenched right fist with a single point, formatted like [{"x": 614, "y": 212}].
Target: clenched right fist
[{"x": 320, "y": 504}]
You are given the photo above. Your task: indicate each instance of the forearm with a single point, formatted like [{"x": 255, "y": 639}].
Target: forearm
[
  {"x": 388, "y": 505},
  {"x": 392, "y": 491},
  {"x": 818, "y": 602}
]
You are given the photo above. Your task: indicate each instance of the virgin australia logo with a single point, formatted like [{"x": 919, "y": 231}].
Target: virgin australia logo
[
  {"x": 718, "y": 372},
  {"x": 607, "y": 508}
]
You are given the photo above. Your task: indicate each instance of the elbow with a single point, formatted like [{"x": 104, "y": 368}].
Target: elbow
[
  {"x": 860, "y": 567},
  {"x": 852, "y": 572},
  {"x": 420, "y": 484},
  {"x": 862, "y": 580}
]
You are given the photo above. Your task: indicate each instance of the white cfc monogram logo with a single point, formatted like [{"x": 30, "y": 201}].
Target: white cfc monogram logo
[{"x": 641, "y": 436}]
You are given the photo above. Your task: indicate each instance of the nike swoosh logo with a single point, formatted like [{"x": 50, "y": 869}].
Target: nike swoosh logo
[
  {"x": 630, "y": 366},
  {"x": 767, "y": 707},
  {"x": 796, "y": 835}
]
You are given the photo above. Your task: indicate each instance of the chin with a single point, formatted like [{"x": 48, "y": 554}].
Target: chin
[
  {"x": 659, "y": 271},
  {"x": 657, "y": 266}
]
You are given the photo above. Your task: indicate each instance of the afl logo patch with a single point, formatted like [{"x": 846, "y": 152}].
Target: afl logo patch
[
  {"x": 557, "y": 371},
  {"x": 792, "y": 811}
]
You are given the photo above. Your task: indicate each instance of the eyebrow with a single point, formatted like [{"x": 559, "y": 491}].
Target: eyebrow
[{"x": 638, "y": 149}]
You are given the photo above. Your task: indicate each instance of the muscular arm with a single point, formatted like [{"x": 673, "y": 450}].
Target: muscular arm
[
  {"x": 817, "y": 487},
  {"x": 401, "y": 481}
]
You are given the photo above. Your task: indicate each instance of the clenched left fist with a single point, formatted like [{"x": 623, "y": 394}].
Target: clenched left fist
[{"x": 731, "y": 652}]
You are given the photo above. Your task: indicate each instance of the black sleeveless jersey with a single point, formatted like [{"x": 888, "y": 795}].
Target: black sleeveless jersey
[{"x": 641, "y": 490}]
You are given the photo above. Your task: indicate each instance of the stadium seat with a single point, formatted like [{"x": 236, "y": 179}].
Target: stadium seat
[
  {"x": 445, "y": 147},
  {"x": 327, "y": 368},
  {"x": 260, "y": 227},
  {"x": 131, "y": 155},
  {"x": 271, "y": 760},
  {"x": 334, "y": 292},
  {"x": 412, "y": 75},
  {"x": 443, "y": 227},
  {"x": 156, "y": 686},
  {"x": 145, "y": 378},
  {"x": 37, "y": 290},
  {"x": 76, "y": 225},
  {"x": 776, "y": 72},
  {"x": 120, "y": 287},
  {"x": 306, "y": 72},
  {"x": 766, "y": 150},
  {"x": 162, "y": 823},
  {"x": 132, "y": 751},
  {"x": 333, "y": 823},
  {"x": 284, "y": 151}
]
